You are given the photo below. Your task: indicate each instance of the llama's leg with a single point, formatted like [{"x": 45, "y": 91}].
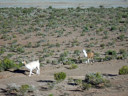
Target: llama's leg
[
  {"x": 30, "y": 73},
  {"x": 88, "y": 60},
  {"x": 38, "y": 70},
  {"x": 92, "y": 60}
]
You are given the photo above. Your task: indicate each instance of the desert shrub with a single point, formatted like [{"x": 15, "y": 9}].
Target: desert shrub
[
  {"x": 60, "y": 76},
  {"x": 123, "y": 70},
  {"x": 85, "y": 86},
  {"x": 70, "y": 80},
  {"x": 82, "y": 34},
  {"x": 2, "y": 50},
  {"x": 57, "y": 45},
  {"x": 107, "y": 58},
  {"x": 69, "y": 61},
  {"x": 73, "y": 66},
  {"x": 63, "y": 57},
  {"x": 98, "y": 59},
  {"x": 123, "y": 53},
  {"x": 96, "y": 80},
  {"x": 24, "y": 89},
  {"x": 37, "y": 45},
  {"x": 121, "y": 37},
  {"x": 77, "y": 52},
  {"x": 50, "y": 95},
  {"x": 75, "y": 42},
  {"x": 65, "y": 54},
  {"x": 6, "y": 64},
  {"x": 78, "y": 81},
  {"x": 18, "y": 90},
  {"x": 111, "y": 53},
  {"x": 113, "y": 28},
  {"x": 110, "y": 43},
  {"x": 51, "y": 85},
  {"x": 20, "y": 49},
  {"x": 55, "y": 62},
  {"x": 1, "y": 66},
  {"x": 102, "y": 45},
  {"x": 29, "y": 45},
  {"x": 62, "y": 60}
]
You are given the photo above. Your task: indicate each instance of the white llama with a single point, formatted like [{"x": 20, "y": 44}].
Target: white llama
[{"x": 33, "y": 65}]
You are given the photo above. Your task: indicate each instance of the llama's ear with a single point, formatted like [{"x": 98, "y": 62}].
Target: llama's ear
[{"x": 24, "y": 62}]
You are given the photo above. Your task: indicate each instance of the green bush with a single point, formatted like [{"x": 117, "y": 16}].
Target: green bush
[
  {"x": 123, "y": 53},
  {"x": 77, "y": 52},
  {"x": 50, "y": 95},
  {"x": 73, "y": 66},
  {"x": 18, "y": 90},
  {"x": 111, "y": 54},
  {"x": 78, "y": 81},
  {"x": 96, "y": 80},
  {"x": 107, "y": 58},
  {"x": 1, "y": 66},
  {"x": 60, "y": 76},
  {"x": 121, "y": 37},
  {"x": 86, "y": 86},
  {"x": 123, "y": 70},
  {"x": 8, "y": 64},
  {"x": 24, "y": 89},
  {"x": 2, "y": 50},
  {"x": 20, "y": 49}
]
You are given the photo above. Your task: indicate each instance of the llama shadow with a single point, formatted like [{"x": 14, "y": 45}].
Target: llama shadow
[
  {"x": 111, "y": 75},
  {"x": 18, "y": 71},
  {"x": 46, "y": 81},
  {"x": 76, "y": 90}
]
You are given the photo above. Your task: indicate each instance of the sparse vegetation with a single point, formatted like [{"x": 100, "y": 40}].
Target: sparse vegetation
[
  {"x": 97, "y": 80},
  {"x": 73, "y": 66},
  {"x": 123, "y": 70},
  {"x": 60, "y": 76},
  {"x": 6, "y": 64},
  {"x": 22, "y": 90}
]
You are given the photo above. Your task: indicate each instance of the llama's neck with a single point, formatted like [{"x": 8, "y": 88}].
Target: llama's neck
[{"x": 85, "y": 53}]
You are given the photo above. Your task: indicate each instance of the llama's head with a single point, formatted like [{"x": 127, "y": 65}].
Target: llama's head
[
  {"x": 84, "y": 50},
  {"x": 24, "y": 62}
]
